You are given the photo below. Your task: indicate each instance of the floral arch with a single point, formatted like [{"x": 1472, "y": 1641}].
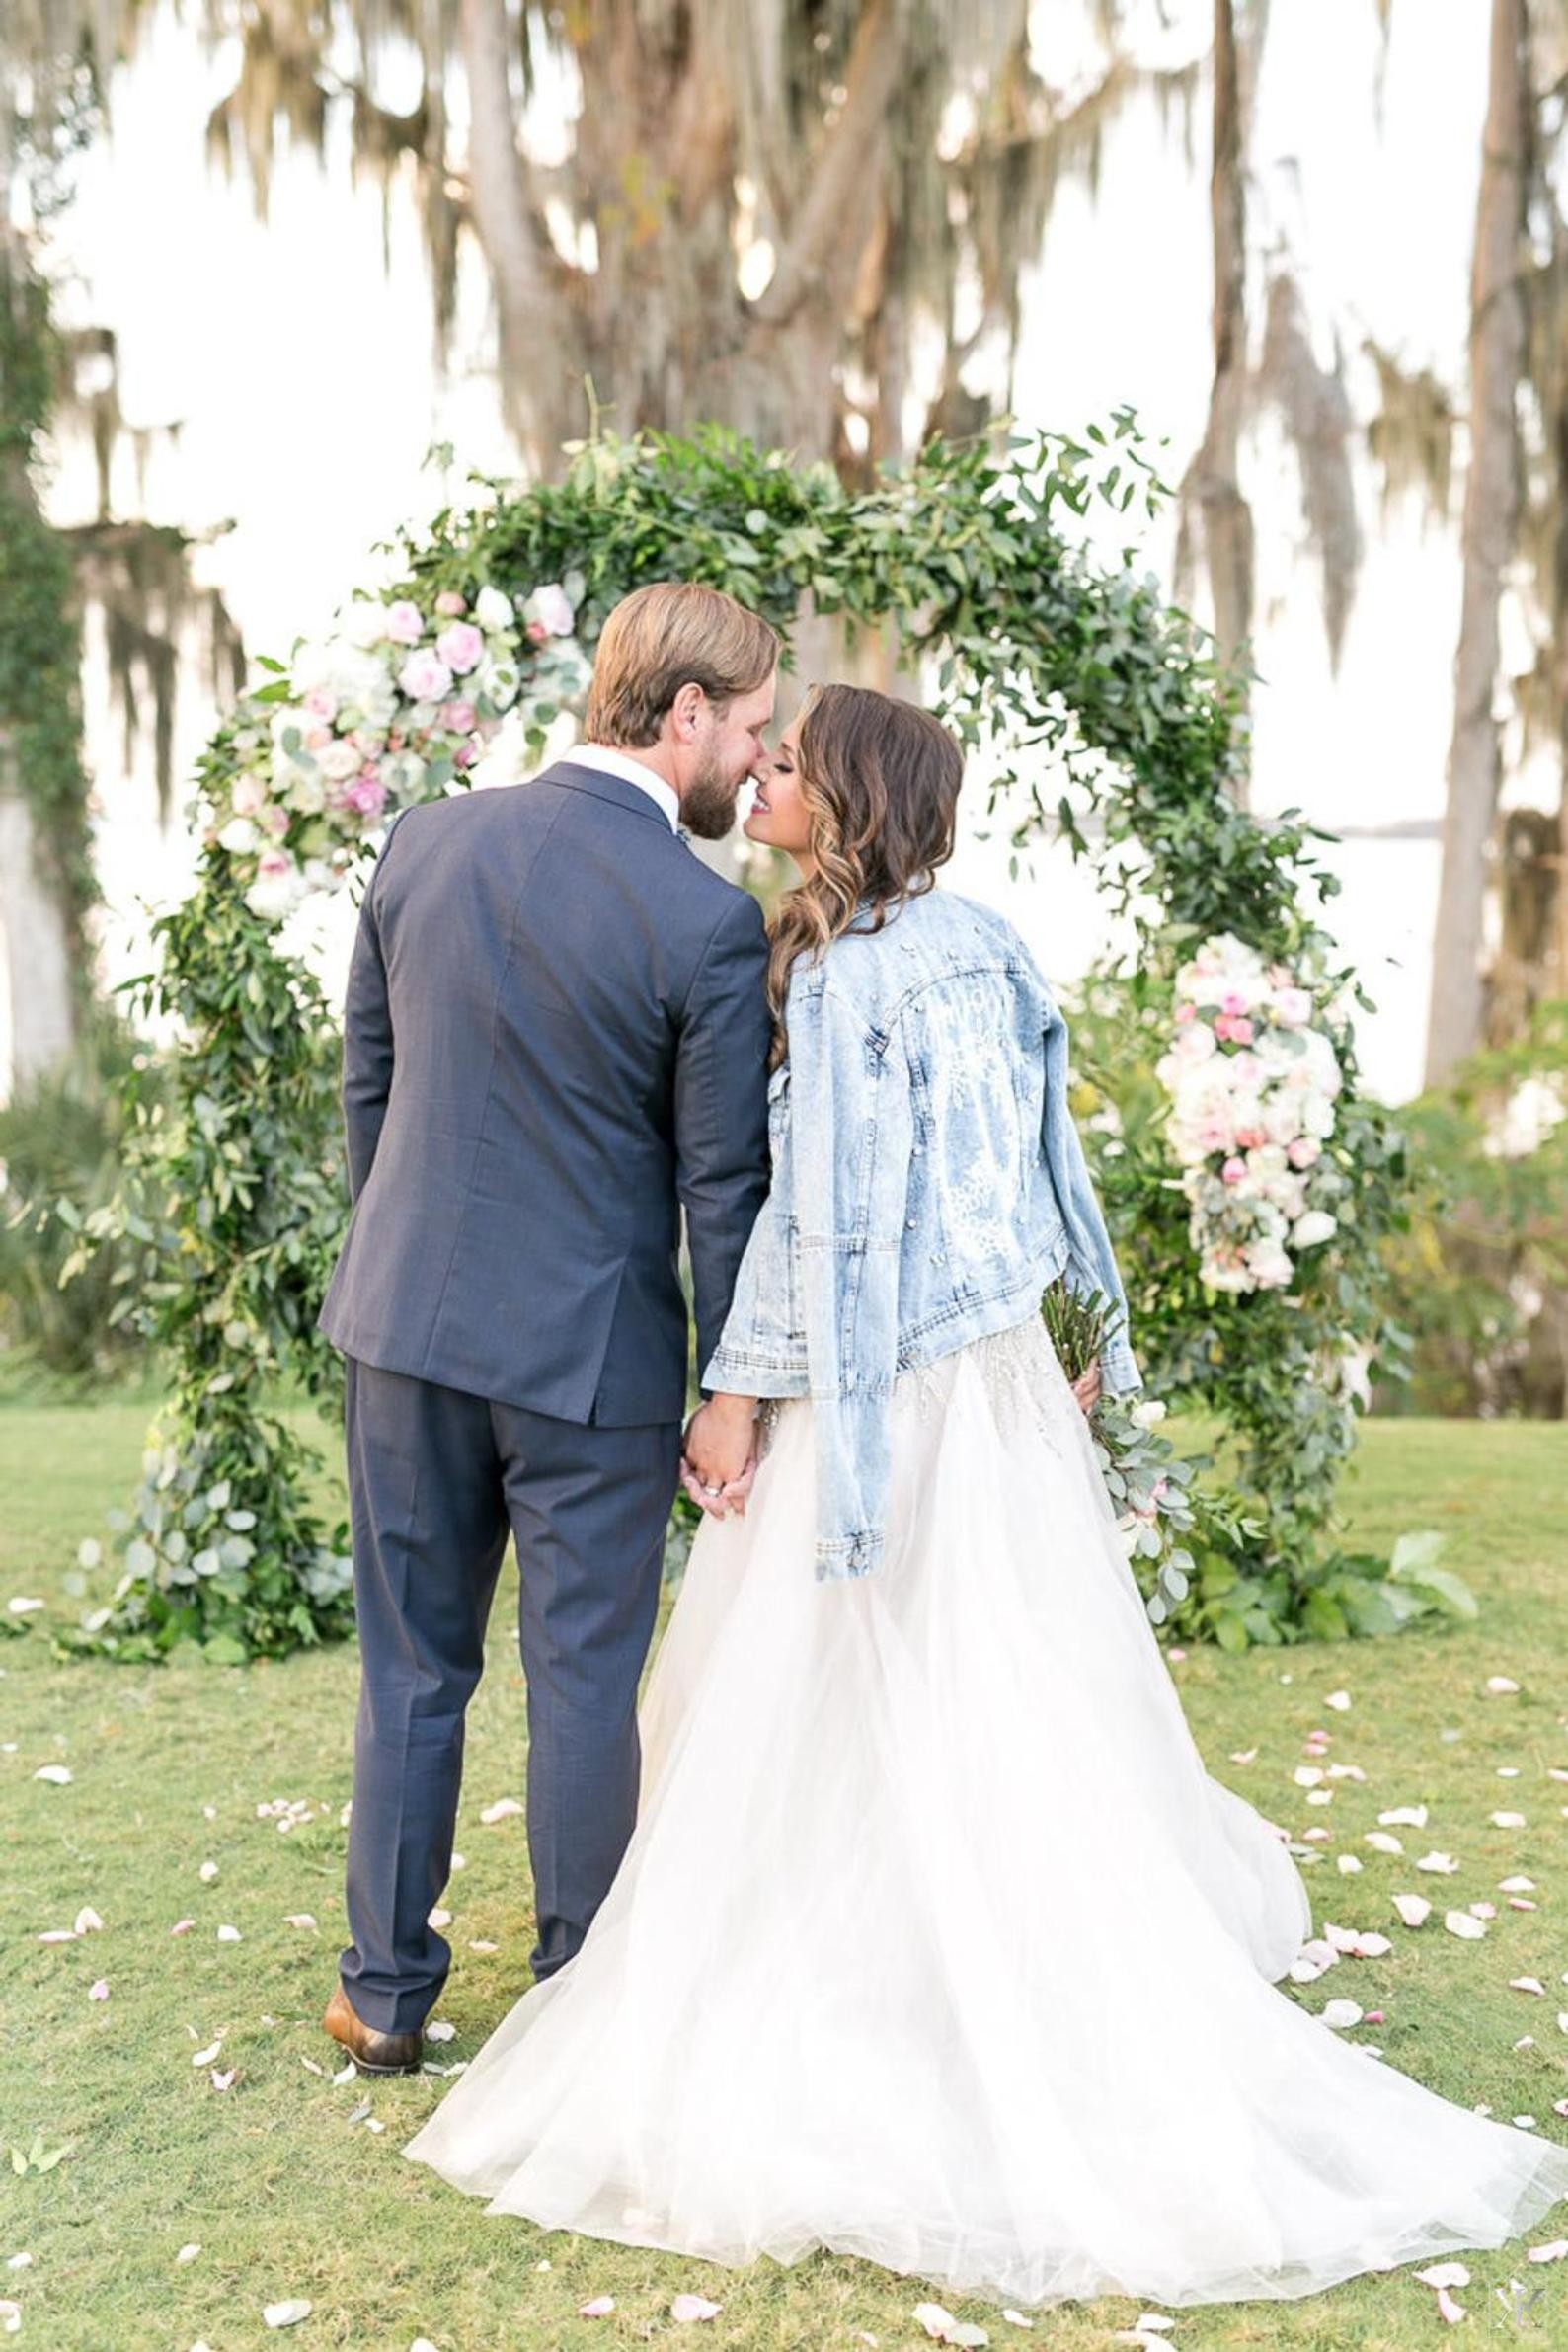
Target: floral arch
[{"x": 1253, "y": 1259}]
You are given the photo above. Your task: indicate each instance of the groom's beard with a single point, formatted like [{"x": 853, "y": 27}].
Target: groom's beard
[{"x": 707, "y": 805}]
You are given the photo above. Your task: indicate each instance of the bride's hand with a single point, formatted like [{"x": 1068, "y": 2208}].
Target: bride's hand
[
  {"x": 1086, "y": 1388},
  {"x": 718, "y": 1457}
]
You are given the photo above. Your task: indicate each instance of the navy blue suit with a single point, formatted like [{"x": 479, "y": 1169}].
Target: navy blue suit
[{"x": 555, "y": 1039}]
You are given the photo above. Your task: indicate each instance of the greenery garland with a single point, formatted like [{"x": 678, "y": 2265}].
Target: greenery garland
[{"x": 235, "y": 1202}]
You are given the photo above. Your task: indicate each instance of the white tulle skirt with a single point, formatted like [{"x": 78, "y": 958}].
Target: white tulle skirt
[{"x": 936, "y": 1943}]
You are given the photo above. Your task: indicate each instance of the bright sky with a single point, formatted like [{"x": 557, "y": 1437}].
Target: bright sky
[{"x": 300, "y": 372}]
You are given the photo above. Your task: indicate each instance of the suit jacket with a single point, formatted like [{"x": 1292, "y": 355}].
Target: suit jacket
[{"x": 555, "y": 1039}]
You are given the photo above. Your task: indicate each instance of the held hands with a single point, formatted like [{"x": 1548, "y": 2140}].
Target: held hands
[
  {"x": 719, "y": 1458},
  {"x": 1086, "y": 1388}
]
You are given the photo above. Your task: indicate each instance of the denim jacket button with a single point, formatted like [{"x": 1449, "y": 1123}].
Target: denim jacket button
[{"x": 911, "y": 1224}]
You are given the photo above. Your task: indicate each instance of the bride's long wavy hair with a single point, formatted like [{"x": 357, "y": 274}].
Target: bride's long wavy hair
[{"x": 879, "y": 779}]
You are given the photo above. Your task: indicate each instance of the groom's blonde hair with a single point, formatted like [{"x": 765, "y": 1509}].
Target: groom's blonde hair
[{"x": 661, "y": 638}]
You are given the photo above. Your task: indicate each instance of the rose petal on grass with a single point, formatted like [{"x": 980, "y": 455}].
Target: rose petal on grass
[
  {"x": 1554, "y": 2253},
  {"x": 695, "y": 2307},
  {"x": 88, "y": 1922},
  {"x": 1509, "y": 1821},
  {"x": 59, "y": 1935},
  {"x": 600, "y": 2308},
  {"x": 439, "y": 1917},
  {"x": 287, "y": 2315},
  {"x": 19, "y": 2262},
  {"x": 221, "y": 2082},
  {"x": 181, "y": 1926},
  {"x": 1341, "y": 2014},
  {"x": 1501, "y": 1687},
  {"x": 1445, "y": 2274},
  {"x": 208, "y": 1873},
  {"x": 58, "y": 1776},
  {"x": 204, "y": 2058},
  {"x": 10, "y": 2315},
  {"x": 1522, "y": 2123},
  {"x": 1244, "y": 1756},
  {"x": 1384, "y": 1841},
  {"x": 1515, "y": 1886},
  {"x": 1152, "y": 2319},
  {"x": 1016, "y": 2319},
  {"x": 502, "y": 1810},
  {"x": 346, "y": 2072},
  {"x": 1443, "y": 1865},
  {"x": 439, "y": 2030},
  {"x": 228, "y": 1934},
  {"x": 479, "y": 1943},
  {"x": 1521, "y": 1903},
  {"x": 422, "y": 2343},
  {"x": 1482, "y": 1910},
  {"x": 1408, "y": 1817},
  {"x": 1448, "y": 2309},
  {"x": 1339, "y": 1701},
  {"x": 1413, "y": 1908},
  {"x": 300, "y": 1919},
  {"x": 1527, "y": 1985},
  {"x": 99, "y": 1990},
  {"x": 1349, "y": 1865},
  {"x": 187, "y": 2254},
  {"x": 1464, "y": 1925}
]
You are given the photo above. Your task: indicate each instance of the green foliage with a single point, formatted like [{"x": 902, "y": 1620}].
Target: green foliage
[
  {"x": 64, "y": 1316},
  {"x": 974, "y": 554},
  {"x": 1480, "y": 1277}
]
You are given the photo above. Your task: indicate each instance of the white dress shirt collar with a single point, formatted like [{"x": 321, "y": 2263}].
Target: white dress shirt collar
[{"x": 631, "y": 770}]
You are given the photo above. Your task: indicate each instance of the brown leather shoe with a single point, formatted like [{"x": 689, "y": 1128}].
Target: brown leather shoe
[{"x": 372, "y": 2053}]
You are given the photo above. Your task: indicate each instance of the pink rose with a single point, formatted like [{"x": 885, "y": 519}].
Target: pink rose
[
  {"x": 321, "y": 702},
  {"x": 461, "y": 647},
  {"x": 1232, "y": 1003},
  {"x": 317, "y": 738},
  {"x": 1241, "y": 1032},
  {"x": 537, "y": 632},
  {"x": 1249, "y": 1137},
  {"x": 272, "y": 865},
  {"x": 1304, "y": 1151},
  {"x": 1185, "y": 1013},
  {"x": 449, "y": 604},
  {"x": 405, "y": 623},
  {"x": 424, "y": 676},
  {"x": 367, "y": 793},
  {"x": 274, "y": 821},
  {"x": 1233, "y": 1170},
  {"x": 465, "y": 756},
  {"x": 249, "y": 796},
  {"x": 460, "y": 718}
]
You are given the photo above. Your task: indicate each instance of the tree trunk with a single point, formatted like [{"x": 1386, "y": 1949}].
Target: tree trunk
[
  {"x": 39, "y": 982},
  {"x": 1212, "y": 476},
  {"x": 1492, "y": 494}
]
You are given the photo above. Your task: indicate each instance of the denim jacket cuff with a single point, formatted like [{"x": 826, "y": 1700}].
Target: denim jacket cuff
[
  {"x": 848, "y": 1555},
  {"x": 1119, "y": 1371},
  {"x": 737, "y": 1373}
]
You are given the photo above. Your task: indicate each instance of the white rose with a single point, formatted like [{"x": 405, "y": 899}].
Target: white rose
[
  {"x": 1149, "y": 1414},
  {"x": 1314, "y": 1226},
  {"x": 504, "y": 759},
  {"x": 492, "y": 611},
  {"x": 239, "y": 836},
  {"x": 307, "y": 792},
  {"x": 339, "y": 761},
  {"x": 551, "y": 608},
  {"x": 1270, "y": 1263}
]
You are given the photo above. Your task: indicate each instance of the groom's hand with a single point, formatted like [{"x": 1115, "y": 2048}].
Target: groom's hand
[{"x": 718, "y": 1457}]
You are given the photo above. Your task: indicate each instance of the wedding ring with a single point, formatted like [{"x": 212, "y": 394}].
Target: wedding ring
[{"x": 713, "y": 1490}]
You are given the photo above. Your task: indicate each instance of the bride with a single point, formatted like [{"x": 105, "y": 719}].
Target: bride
[{"x": 935, "y": 1943}]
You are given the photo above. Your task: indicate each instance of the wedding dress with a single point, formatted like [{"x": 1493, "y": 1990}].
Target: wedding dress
[{"x": 936, "y": 1943}]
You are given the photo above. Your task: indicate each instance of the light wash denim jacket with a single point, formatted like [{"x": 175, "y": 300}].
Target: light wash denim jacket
[{"x": 928, "y": 1182}]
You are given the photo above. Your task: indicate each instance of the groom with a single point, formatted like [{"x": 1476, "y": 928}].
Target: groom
[{"x": 555, "y": 1039}]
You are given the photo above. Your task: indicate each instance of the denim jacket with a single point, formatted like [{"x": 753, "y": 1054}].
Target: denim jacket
[{"x": 928, "y": 1182}]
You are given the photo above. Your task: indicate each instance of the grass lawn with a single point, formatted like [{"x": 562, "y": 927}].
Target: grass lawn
[{"x": 288, "y": 2192}]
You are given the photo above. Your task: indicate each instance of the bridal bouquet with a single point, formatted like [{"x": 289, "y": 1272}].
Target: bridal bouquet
[
  {"x": 1147, "y": 1485},
  {"x": 395, "y": 706},
  {"x": 1253, "y": 1074}
]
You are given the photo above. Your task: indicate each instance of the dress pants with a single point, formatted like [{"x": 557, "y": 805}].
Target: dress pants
[{"x": 436, "y": 1479}]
